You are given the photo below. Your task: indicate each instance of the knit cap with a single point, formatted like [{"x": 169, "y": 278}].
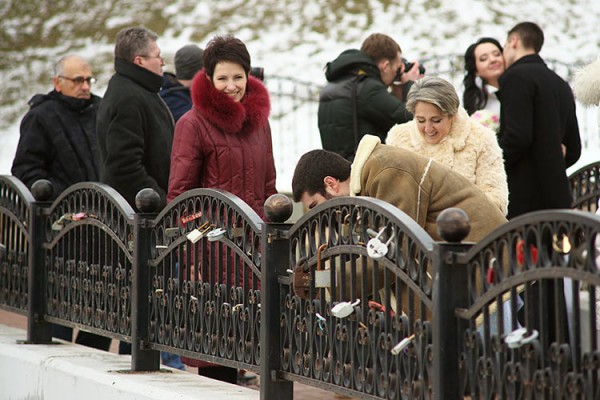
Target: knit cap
[{"x": 188, "y": 61}]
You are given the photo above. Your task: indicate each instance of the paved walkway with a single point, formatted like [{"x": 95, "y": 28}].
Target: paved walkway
[{"x": 301, "y": 392}]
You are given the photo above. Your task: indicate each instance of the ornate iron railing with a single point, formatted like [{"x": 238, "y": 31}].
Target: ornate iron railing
[
  {"x": 15, "y": 200},
  {"x": 531, "y": 328},
  {"x": 88, "y": 255},
  {"x": 374, "y": 308},
  {"x": 361, "y": 302},
  {"x": 585, "y": 187},
  {"x": 204, "y": 272}
]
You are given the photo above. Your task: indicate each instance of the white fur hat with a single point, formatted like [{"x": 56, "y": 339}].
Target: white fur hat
[{"x": 587, "y": 84}]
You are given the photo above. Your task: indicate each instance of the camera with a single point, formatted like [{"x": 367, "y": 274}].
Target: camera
[
  {"x": 258, "y": 72},
  {"x": 408, "y": 65}
]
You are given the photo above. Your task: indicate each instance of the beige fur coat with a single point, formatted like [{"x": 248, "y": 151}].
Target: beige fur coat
[{"x": 469, "y": 149}]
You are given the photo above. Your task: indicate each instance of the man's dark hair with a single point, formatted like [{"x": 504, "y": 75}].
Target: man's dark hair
[
  {"x": 313, "y": 167},
  {"x": 380, "y": 47},
  {"x": 225, "y": 48},
  {"x": 133, "y": 42},
  {"x": 531, "y": 35}
]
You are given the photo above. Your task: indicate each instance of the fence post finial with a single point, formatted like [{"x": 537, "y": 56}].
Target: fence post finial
[
  {"x": 278, "y": 208},
  {"x": 42, "y": 189},
  {"x": 453, "y": 225}
]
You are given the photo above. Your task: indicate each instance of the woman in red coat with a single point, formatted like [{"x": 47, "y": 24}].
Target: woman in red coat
[{"x": 224, "y": 141}]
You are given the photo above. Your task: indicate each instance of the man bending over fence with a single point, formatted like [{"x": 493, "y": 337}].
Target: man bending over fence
[{"x": 415, "y": 184}]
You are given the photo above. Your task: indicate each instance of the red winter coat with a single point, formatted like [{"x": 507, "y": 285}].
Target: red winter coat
[{"x": 223, "y": 144}]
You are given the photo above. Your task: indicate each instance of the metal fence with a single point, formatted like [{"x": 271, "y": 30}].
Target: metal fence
[{"x": 513, "y": 316}]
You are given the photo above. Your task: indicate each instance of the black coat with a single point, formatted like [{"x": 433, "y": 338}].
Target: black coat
[
  {"x": 176, "y": 96},
  {"x": 135, "y": 130},
  {"x": 58, "y": 141},
  {"x": 536, "y": 117},
  {"x": 377, "y": 110}
]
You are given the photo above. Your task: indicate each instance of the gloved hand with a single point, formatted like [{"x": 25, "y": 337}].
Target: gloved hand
[{"x": 301, "y": 279}]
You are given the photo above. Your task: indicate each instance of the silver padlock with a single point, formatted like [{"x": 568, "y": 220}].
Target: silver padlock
[
  {"x": 376, "y": 249},
  {"x": 215, "y": 234},
  {"x": 343, "y": 309},
  {"x": 323, "y": 279}
]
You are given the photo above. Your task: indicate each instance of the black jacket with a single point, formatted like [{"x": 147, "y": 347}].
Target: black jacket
[
  {"x": 135, "y": 130},
  {"x": 176, "y": 96},
  {"x": 58, "y": 141},
  {"x": 377, "y": 110},
  {"x": 536, "y": 117}
]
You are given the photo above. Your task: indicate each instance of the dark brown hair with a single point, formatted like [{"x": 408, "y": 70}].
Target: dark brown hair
[
  {"x": 380, "y": 47},
  {"x": 225, "y": 48}
]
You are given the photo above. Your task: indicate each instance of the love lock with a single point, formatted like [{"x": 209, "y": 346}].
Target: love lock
[
  {"x": 397, "y": 349},
  {"x": 215, "y": 234},
  {"x": 199, "y": 232},
  {"x": 343, "y": 309},
  {"x": 519, "y": 337},
  {"x": 376, "y": 249},
  {"x": 562, "y": 245}
]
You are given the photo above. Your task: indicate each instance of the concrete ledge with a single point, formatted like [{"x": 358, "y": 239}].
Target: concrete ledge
[{"x": 70, "y": 371}]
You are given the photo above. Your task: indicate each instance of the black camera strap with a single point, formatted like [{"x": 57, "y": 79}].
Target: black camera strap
[{"x": 359, "y": 76}]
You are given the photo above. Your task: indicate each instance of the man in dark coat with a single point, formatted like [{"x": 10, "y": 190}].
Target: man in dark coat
[
  {"x": 539, "y": 134},
  {"x": 356, "y": 101},
  {"x": 58, "y": 135},
  {"x": 58, "y": 142},
  {"x": 135, "y": 127},
  {"x": 176, "y": 88}
]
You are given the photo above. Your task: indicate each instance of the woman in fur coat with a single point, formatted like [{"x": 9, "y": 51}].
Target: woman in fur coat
[
  {"x": 224, "y": 142},
  {"x": 442, "y": 130}
]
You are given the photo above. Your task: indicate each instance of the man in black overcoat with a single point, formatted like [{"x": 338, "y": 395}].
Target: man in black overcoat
[
  {"x": 135, "y": 127},
  {"x": 539, "y": 134}
]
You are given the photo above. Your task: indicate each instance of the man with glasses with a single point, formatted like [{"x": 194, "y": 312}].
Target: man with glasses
[
  {"x": 135, "y": 127},
  {"x": 58, "y": 135},
  {"x": 58, "y": 142}
]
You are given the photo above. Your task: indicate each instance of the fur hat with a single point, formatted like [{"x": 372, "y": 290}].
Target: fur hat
[
  {"x": 587, "y": 84},
  {"x": 188, "y": 61}
]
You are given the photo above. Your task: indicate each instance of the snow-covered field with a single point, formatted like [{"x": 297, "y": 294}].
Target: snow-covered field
[{"x": 293, "y": 38}]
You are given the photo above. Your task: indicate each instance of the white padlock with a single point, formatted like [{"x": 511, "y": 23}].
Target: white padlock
[
  {"x": 518, "y": 338},
  {"x": 376, "y": 249},
  {"x": 343, "y": 309},
  {"x": 215, "y": 234},
  {"x": 198, "y": 233},
  {"x": 397, "y": 349}
]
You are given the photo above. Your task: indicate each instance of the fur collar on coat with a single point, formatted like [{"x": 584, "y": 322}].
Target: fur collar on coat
[
  {"x": 408, "y": 136},
  {"x": 224, "y": 113}
]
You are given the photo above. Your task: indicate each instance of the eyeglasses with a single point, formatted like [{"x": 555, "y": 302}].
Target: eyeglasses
[
  {"x": 78, "y": 80},
  {"x": 159, "y": 57}
]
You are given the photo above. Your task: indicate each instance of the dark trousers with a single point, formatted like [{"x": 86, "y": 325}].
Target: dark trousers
[
  {"x": 225, "y": 374},
  {"x": 83, "y": 338}
]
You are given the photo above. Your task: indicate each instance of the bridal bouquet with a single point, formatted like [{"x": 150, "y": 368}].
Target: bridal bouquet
[{"x": 487, "y": 118}]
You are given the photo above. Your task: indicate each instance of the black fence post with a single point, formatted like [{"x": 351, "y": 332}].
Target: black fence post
[
  {"x": 275, "y": 251},
  {"x": 142, "y": 358},
  {"x": 39, "y": 331},
  {"x": 449, "y": 293}
]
